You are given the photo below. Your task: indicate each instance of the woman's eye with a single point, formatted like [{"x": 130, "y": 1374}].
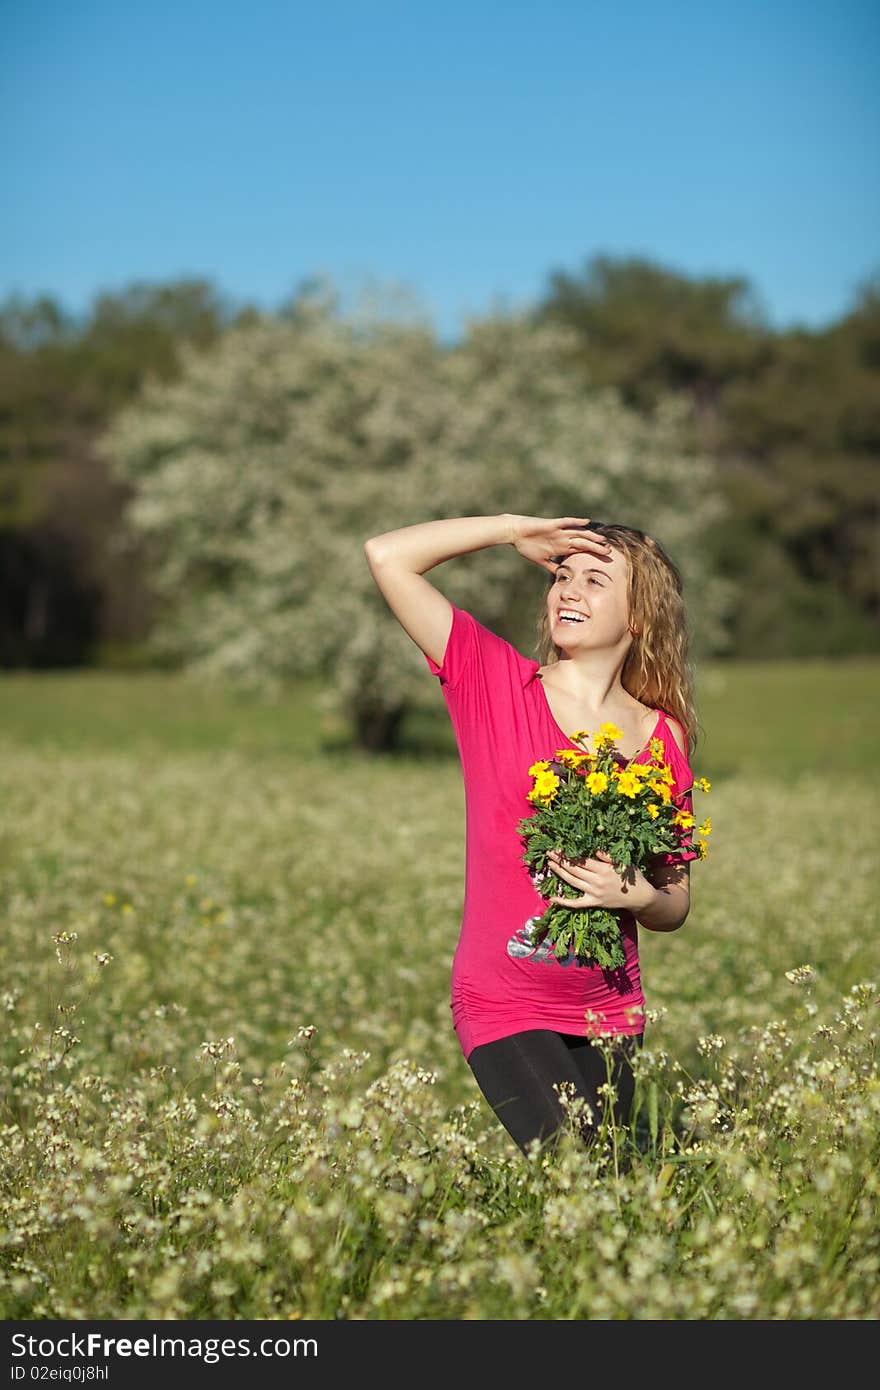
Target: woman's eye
[{"x": 592, "y": 579}]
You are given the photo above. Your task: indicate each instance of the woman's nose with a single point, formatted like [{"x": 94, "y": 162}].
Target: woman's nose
[{"x": 572, "y": 589}]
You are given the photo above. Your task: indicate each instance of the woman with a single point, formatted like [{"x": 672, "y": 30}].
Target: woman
[{"x": 614, "y": 639}]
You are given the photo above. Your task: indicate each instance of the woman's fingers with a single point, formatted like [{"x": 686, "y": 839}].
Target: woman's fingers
[
  {"x": 580, "y": 525},
  {"x": 576, "y": 875},
  {"x": 573, "y": 902},
  {"x": 570, "y": 542},
  {"x": 577, "y": 530},
  {"x": 560, "y": 536},
  {"x": 588, "y": 874},
  {"x": 561, "y": 858}
]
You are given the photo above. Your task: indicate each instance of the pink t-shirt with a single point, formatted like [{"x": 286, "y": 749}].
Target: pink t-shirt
[{"x": 500, "y": 985}]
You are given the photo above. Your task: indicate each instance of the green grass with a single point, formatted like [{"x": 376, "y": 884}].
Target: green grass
[
  {"x": 79, "y": 710},
  {"x": 780, "y": 719},
  {"x": 774, "y": 719},
  {"x": 176, "y": 1146}
]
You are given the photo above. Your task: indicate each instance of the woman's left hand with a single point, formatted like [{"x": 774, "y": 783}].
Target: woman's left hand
[{"x": 600, "y": 883}]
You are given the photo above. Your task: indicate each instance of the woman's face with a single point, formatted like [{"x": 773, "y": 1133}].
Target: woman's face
[{"x": 593, "y": 592}]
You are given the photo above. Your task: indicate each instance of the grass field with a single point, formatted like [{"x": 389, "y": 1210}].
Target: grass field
[{"x": 229, "y": 1086}]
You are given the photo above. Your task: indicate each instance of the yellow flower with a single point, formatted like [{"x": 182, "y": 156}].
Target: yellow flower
[
  {"x": 701, "y": 849},
  {"x": 706, "y": 827},
  {"x": 627, "y": 784},
  {"x": 703, "y": 784},
  {"x": 597, "y": 782},
  {"x": 683, "y": 818},
  {"x": 607, "y": 734},
  {"x": 579, "y": 735},
  {"x": 109, "y": 899},
  {"x": 656, "y": 747},
  {"x": 545, "y": 788},
  {"x": 660, "y": 789},
  {"x": 571, "y": 758},
  {"x": 639, "y": 769},
  {"x": 537, "y": 768},
  {"x": 653, "y": 810},
  {"x": 667, "y": 774}
]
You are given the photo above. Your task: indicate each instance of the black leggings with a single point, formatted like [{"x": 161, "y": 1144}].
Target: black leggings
[{"x": 516, "y": 1075}]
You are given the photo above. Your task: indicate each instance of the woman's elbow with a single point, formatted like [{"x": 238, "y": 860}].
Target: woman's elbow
[{"x": 374, "y": 551}]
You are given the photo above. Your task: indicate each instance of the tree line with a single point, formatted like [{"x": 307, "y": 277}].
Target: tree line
[{"x": 149, "y": 450}]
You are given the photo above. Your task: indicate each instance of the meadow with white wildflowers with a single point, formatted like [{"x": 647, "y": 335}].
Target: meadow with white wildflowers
[{"x": 229, "y": 1085}]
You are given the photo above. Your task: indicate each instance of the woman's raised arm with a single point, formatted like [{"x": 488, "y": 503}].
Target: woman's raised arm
[{"x": 398, "y": 561}]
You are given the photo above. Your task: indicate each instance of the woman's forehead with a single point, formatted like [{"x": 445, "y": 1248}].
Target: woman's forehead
[{"x": 580, "y": 561}]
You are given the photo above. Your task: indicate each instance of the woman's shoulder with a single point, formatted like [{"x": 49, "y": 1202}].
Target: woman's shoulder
[
  {"x": 677, "y": 733},
  {"x": 475, "y": 650},
  {"x": 675, "y": 744}
]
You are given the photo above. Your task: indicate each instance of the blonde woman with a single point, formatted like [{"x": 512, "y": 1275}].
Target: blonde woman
[{"x": 613, "y": 638}]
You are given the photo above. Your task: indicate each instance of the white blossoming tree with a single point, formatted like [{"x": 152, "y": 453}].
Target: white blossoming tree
[{"x": 260, "y": 472}]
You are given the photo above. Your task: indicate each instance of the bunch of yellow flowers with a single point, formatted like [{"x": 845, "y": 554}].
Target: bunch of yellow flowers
[
  {"x": 629, "y": 781},
  {"x": 585, "y": 801}
]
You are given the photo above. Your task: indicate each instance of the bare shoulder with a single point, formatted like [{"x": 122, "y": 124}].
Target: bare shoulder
[{"x": 678, "y": 734}]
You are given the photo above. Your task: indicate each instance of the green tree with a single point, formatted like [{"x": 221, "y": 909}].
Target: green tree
[
  {"x": 260, "y": 472},
  {"x": 648, "y": 330},
  {"x": 70, "y": 575},
  {"x": 792, "y": 420},
  {"x": 800, "y": 452}
]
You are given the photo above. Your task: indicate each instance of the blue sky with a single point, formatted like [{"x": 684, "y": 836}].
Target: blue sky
[{"x": 461, "y": 150}]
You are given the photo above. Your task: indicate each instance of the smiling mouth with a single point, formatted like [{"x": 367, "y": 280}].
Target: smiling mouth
[{"x": 568, "y": 615}]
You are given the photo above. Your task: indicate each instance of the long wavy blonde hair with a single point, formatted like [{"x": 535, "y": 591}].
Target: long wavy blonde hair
[{"x": 657, "y": 670}]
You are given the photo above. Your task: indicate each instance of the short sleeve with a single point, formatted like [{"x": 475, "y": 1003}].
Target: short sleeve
[
  {"x": 459, "y": 655},
  {"x": 682, "y": 796},
  {"x": 482, "y": 678}
]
